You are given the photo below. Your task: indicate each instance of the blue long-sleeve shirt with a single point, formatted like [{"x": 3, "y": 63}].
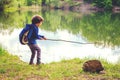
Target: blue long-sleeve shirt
[{"x": 33, "y": 34}]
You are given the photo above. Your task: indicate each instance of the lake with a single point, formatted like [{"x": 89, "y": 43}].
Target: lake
[{"x": 101, "y": 29}]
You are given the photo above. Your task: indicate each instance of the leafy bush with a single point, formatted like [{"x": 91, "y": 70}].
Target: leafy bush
[
  {"x": 103, "y": 3},
  {"x": 107, "y": 4}
]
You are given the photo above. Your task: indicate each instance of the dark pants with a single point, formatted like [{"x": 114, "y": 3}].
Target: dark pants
[{"x": 35, "y": 48}]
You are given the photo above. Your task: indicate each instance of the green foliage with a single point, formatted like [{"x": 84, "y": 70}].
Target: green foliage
[
  {"x": 33, "y": 2},
  {"x": 107, "y": 4},
  {"x": 2, "y": 51},
  {"x": 61, "y": 3},
  {"x": 103, "y": 27},
  {"x": 116, "y": 2},
  {"x": 9, "y": 21},
  {"x": 98, "y": 27},
  {"x": 29, "y": 2},
  {"x": 17, "y": 3},
  {"x": 21, "y": 3},
  {"x": 7, "y": 4}
]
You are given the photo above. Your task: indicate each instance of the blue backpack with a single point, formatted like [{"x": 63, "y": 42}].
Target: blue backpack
[{"x": 25, "y": 34}]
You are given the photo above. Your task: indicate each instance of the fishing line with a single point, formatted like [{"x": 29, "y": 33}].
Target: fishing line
[{"x": 68, "y": 41}]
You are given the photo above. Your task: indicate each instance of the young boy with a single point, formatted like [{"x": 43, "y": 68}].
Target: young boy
[{"x": 36, "y": 22}]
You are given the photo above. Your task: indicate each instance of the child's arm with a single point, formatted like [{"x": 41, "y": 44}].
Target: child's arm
[{"x": 42, "y": 37}]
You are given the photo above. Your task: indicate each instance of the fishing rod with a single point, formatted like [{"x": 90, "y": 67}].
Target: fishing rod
[{"x": 68, "y": 41}]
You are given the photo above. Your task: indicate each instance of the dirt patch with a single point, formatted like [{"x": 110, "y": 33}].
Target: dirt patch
[{"x": 36, "y": 77}]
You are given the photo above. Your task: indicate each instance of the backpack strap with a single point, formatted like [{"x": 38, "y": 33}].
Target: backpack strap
[{"x": 30, "y": 32}]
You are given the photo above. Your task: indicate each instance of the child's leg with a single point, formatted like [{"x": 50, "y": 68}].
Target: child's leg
[
  {"x": 34, "y": 48},
  {"x": 38, "y": 55}
]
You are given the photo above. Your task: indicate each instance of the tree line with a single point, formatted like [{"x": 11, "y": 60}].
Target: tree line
[
  {"x": 108, "y": 4},
  {"x": 18, "y": 3}
]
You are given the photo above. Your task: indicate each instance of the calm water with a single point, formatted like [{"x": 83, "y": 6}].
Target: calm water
[{"x": 99, "y": 28}]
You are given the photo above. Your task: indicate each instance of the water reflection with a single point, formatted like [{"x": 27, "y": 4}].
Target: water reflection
[
  {"x": 102, "y": 28},
  {"x": 56, "y": 51}
]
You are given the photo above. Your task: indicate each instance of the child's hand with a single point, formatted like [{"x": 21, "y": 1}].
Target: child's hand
[{"x": 44, "y": 38}]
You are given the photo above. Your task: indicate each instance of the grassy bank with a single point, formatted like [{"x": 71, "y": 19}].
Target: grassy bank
[{"x": 11, "y": 68}]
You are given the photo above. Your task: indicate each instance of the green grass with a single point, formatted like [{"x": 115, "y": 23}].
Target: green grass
[{"x": 12, "y": 68}]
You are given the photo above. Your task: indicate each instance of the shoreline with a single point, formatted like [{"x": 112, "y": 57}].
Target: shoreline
[{"x": 65, "y": 69}]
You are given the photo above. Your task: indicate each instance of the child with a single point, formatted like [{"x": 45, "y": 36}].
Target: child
[{"x": 36, "y": 22}]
